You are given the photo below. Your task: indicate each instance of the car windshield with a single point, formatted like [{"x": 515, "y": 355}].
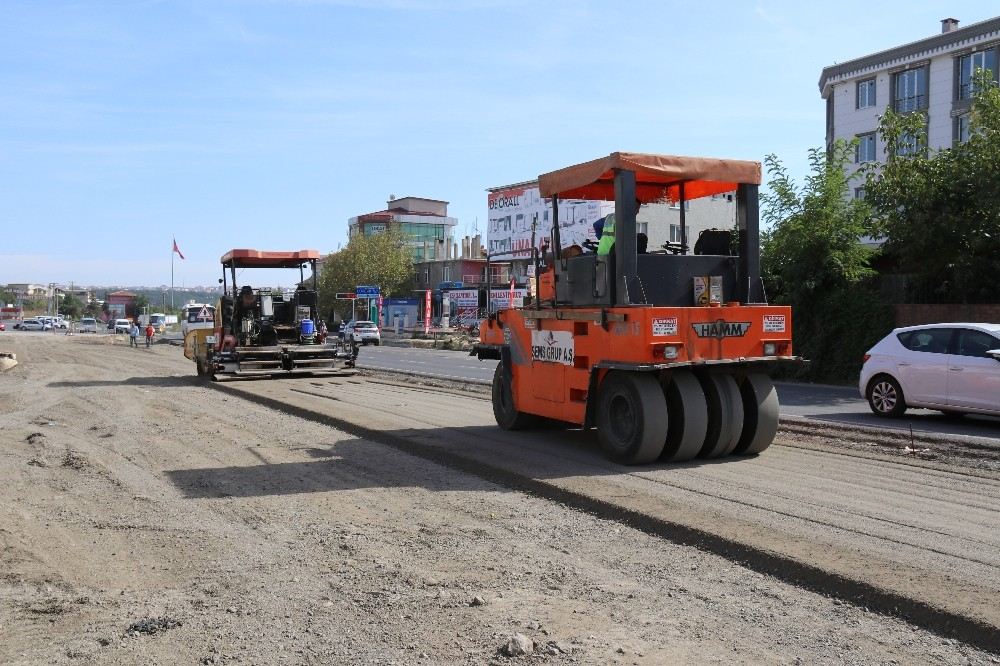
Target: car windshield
[{"x": 365, "y": 324}]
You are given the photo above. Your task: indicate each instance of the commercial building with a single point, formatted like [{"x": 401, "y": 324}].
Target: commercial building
[
  {"x": 120, "y": 303},
  {"x": 932, "y": 76},
  {"x": 424, "y": 222}
]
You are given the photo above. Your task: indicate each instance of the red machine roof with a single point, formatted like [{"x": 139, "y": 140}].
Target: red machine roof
[
  {"x": 245, "y": 258},
  {"x": 657, "y": 177}
]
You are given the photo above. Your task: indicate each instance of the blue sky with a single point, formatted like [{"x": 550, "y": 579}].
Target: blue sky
[{"x": 267, "y": 124}]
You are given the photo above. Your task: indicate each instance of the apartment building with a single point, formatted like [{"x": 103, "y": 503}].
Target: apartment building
[
  {"x": 424, "y": 222},
  {"x": 933, "y": 76}
]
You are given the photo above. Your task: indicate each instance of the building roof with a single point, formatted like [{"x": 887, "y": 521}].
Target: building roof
[
  {"x": 420, "y": 199},
  {"x": 389, "y": 213},
  {"x": 527, "y": 183},
  {"x": 121, "y": 294},
  {"x": 926, "y": 45}
]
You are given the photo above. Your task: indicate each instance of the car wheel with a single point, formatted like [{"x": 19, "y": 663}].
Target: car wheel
[{"x": 885, "y": 397}]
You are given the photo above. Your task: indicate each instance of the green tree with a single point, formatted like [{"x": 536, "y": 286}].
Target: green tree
[
  {"x": 384, "y": 260},
  {"x": 812, "y": 260},
  {"x": 93, "y": 309},
  {"x": 139, "y": 305},
  {"x": 939, "y": 211},
  {"x": 71, "y": 306},
  {"x": 7, "y": 296}
]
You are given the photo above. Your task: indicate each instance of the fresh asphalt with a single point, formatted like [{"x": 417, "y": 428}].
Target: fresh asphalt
[{"x": 836, "y": 404}]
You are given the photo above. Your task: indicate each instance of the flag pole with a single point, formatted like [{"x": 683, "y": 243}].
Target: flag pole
[{"x": 172, "y": 276}]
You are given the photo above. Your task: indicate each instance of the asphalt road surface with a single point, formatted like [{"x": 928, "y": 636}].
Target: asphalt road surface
[{"x": 834, "y": 404}]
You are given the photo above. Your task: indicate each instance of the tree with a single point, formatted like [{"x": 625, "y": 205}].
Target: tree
[
  {"x": 93, "y": 309},
  {"x": 139, "y": 304},
  {"x": 7, "y": 296},
  {"x": 71, "y": 306},
  {"x": 939, "y": 212},
  {"x": 384, "y": 260},
  {"x": 811, "y": 259}
]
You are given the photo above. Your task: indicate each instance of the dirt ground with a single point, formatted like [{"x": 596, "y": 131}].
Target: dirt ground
[{"x": 148, "y": 518}]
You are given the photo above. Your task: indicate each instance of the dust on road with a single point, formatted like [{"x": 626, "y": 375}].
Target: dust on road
[{"x": 146, "y": 518}]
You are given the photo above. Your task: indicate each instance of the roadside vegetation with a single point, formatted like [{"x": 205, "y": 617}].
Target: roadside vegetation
[
  {"x": 935, "y": 215},
  {"x": 384, "y": 260}
]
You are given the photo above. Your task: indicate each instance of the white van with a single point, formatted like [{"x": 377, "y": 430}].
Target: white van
[
  {"x": 122, "y": 325},
  {"x": 88, "y": 325}
]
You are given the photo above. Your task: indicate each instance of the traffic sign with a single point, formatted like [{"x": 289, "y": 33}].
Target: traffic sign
[
  {"x": 367, "y": 291},
  {"x": 345, "y": 296}
]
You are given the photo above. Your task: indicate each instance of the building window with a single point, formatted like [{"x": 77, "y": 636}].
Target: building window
[
  {"x": 675, "y": 233},
  {"x": 642, "y": 228},
  {"x": 962, "y": 128},
  {"x": 908, "y": 145},
  {"x": 967, "y": 66},
  {"x": 676, "y": 205},
  {"x": 911, "y": 90},
  {"x": 859, "y": 193},
  {"x": 865, "y": 151},
  {"x": 866, "y": 93}
]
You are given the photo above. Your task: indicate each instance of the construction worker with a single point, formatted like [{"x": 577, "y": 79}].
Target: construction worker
[
  {"x": 607, "y": 240},
  {"x": 608, "y": 232}
]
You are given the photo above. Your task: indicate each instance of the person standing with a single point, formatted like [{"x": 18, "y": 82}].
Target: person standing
[
  {"x": 149, "y": 335},
  {"x": 133, "y": 335}
]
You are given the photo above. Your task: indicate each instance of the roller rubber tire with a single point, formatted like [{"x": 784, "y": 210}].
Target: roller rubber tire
[
  {"x": 687, "y": 416},
  {"x": 504, "y": 411},
  {"x": 631, "y": 417},
  {"x": 760, "y": 414},
  {"x": 725, "y": 415},
  {"x": 885, "y": 397}
]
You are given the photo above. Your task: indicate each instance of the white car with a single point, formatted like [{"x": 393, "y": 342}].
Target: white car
[
  {"x": 953, "y": 368},
  {"x": 88, "y": 325},
  {"x": 363, "y": 332},
  {"x": 35, "y": 325},
  {"x": 122, "y": 325}
]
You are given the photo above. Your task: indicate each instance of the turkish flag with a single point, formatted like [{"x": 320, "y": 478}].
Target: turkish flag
[{"x": 177, "y": 249}]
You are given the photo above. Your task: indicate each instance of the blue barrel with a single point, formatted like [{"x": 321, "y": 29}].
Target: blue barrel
[{"x": 307, "y": 328}]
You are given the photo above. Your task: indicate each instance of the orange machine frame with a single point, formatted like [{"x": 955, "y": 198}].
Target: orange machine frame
[{"x": 558, "y": 355}]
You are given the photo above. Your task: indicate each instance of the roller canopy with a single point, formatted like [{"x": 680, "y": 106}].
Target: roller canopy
[
  {"x": 260, "y": 259},
  {"x": 657, "y": 177}
]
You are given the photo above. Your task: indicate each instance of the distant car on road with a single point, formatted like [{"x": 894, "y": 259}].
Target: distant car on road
[
  {"x": 122, "y": 325},
  {"x": 35, "y": 325},
  {"x": 953, "y": 368},
  {"x": 88, "y": 325},
  {"x": 363, "y": 332}
]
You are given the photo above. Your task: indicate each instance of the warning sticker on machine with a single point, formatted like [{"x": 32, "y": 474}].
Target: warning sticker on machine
[
  {"x": 774, "y": 323},
  {"x": 552, "y": 347},
  {"x": 664, "y": 325}
]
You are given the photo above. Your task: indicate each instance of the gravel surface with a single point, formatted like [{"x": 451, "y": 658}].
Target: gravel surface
[{"x": 149, "y": 518}]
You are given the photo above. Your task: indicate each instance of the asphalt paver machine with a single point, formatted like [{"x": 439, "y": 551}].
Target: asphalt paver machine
[
  {"x": 666, "y": 353},
  {"x": 265, "y": 331}
]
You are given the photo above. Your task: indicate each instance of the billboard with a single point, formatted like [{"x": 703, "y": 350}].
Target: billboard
[
  {"x": 512, "y": 211},
  {"x": 465, "y": 302}
]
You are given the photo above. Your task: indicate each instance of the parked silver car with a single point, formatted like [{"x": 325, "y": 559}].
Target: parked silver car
[
  {"x": 953, "y": 368},
  {"x": 35, "y": 325}
]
